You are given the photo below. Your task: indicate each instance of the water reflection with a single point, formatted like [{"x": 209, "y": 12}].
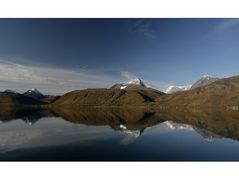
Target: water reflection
[
  {"x": 92, "y": 129},
  {"x": 208, "y": 123}
]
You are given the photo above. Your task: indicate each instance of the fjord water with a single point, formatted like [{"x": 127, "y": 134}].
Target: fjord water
[{"x": 118, "y": 135}]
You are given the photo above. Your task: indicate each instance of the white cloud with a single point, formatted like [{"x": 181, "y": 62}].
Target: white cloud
[
  {"x": 18, "y": 73},
  {"x": 50, "y": 80},
  {"x": 128, "y": 76},
  {"x": 58, "y": 80}
]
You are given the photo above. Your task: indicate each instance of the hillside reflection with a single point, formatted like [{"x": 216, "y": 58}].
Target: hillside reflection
[{"x": 210, "y": 123}]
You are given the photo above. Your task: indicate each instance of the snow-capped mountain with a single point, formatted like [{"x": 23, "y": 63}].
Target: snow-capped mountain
[
  {"x": 203, "y": 81},
  {"x": 34, "y": 93},
  {"x": 135, "y": 83},
  {"x": 130, "y": 84},
  {"x": 173, "y": 88}
]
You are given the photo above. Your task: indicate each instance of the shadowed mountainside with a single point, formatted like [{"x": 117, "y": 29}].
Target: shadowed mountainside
[{"x": 15, "y": 99}]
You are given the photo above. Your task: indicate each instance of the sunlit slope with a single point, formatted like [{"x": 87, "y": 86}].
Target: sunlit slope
[
  {"x": 110, "y": 97},
  {"x": 224, "y": 92}
]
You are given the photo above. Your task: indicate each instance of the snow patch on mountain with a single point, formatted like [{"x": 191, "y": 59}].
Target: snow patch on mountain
[
  {"x": 206, "y": 77},
  {"x": 123, "y": 87},
  {"x": 173, "y": 88},
  {"x": 131, "y": 80},
  {"x": 176, "y": 126},
  {"x": 34, "y": 93},
  {"x": 34, "y": 90}
]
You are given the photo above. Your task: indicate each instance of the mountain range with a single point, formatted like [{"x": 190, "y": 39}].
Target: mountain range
[
  {"x": 30, "y": 97},
  {"x": 207, "y": 91},
  {"x": 203, "y": 81}
]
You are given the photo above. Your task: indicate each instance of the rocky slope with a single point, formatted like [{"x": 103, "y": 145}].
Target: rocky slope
[{"x": 203, "y": 81}]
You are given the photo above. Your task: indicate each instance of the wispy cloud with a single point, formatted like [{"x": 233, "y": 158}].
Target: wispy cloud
[
  {"x": 50, "y": 80},
  {"x": 143, "y": 28},
  {"x": 128, "y": 76},
  {"x": 18, "y": 73},
  {"x": 226, "y": 24}
]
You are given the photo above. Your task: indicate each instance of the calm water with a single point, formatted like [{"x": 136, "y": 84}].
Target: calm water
[{"x": 118, "y": 135}]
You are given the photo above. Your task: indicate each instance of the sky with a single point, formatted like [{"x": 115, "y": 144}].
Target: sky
[{"x": 60, "y": 55}]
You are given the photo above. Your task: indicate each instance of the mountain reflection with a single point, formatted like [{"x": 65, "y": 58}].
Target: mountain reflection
[{"x": 210, "y": 123}]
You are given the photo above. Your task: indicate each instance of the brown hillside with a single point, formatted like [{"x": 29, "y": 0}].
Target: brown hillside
[
  {"x": 224, "y": 92},
  {"x": 113, "y": 97}
]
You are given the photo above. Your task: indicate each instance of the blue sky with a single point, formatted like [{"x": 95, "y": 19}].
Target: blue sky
[{"x": 59, "y": 55}]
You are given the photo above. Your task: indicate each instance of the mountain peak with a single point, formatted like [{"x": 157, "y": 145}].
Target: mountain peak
[
  {"x": 207, "y": 77},
  {"x": 204, "y": 80},
  {"x": 34, "y": 93},
  {"x": 34, "y": 89},
  {"x": 130, "y": 83}
]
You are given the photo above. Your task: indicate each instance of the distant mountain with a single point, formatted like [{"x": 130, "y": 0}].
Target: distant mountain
[
  {"x": 173, "y": 89},
  {"x": 11, "y": 91},
  {"x": 203, "y": 81},
  {"x": 31, "y": 97},
  {"x": 14, "y": 99},
  {"x": 34, "y": 93}
]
